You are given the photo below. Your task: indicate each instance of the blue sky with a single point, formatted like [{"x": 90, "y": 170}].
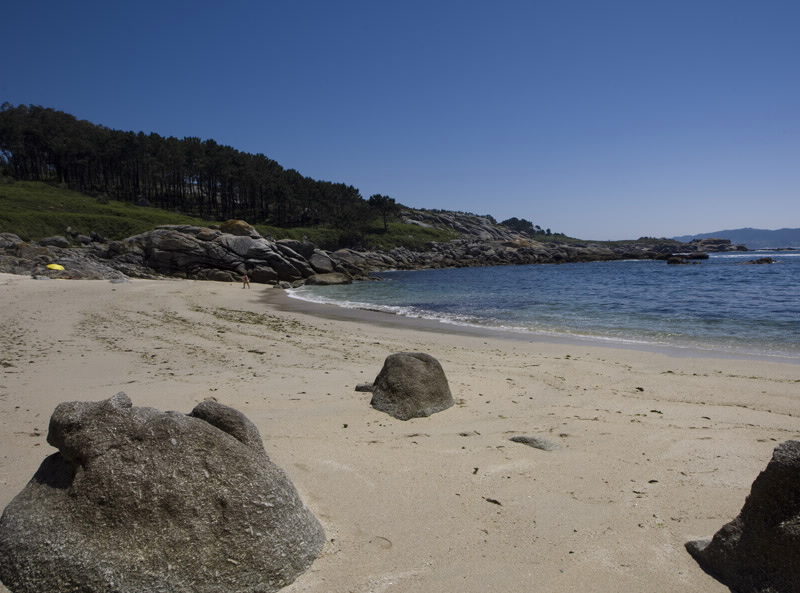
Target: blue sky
[{"x": 599, "y": 119}]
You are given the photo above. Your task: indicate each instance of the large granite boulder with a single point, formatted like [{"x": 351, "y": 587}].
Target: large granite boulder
[
  {"x": 304, "y": 249},
  {"x": 142, "y": 501},
  {"x": 194, "y": 252},
  {"x": 759, "y": 551},
  {"x": 244, "y": 246},
  {"x": 55, "y": 241},
  {"x": 321, "y": 263},
  {"x": 411, "y": 385},
  {"x": 9, "y": 241},
  {"x": 238, "y": 227},
  {"x": 329, "y": 279},
  {"x": 262, "y": 274}
]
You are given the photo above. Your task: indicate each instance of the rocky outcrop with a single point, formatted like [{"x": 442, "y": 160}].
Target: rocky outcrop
[
  {"x": 141, "y": 500},
  {"x": 176, "y": 251},
  {"x": 411, "y": 385},
  {"x": 461, "y": 253},
  {"x": 715, "y": 245},
  {"x": 55, "y": 241},
  {"x": 329, "y": 279},
  {"x": 759, "y": 551},
  {"x": 213, "y": 254},
  {"x": 20, "y": 257},
  {"x": 239, "y": 228},
  {"x": 198, "y": 252},
  {"x": 480, "y": 228}
]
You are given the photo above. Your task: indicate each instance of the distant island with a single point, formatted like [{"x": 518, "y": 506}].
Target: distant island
[{"x": 753, "y": 238}]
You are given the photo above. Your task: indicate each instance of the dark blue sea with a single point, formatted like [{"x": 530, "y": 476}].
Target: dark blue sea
[{"x": 719, "y": 304}]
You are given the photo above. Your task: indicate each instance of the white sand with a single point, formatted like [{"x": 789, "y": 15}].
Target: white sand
[{"x": 656, "y": 448}]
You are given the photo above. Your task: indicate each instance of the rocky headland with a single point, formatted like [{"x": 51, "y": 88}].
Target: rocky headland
[{"x": 234, "y": 248}]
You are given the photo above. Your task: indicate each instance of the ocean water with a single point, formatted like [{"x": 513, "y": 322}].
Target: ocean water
[{"x": 717, "y": 305}]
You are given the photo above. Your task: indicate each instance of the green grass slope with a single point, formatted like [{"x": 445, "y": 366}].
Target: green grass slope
[{"x": 35, "y": 210}]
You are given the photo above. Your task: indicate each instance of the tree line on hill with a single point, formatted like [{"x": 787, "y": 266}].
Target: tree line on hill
[
  {"x": 525, "y": 226},
  {"x": 192, "y": 176},
  {"x": 197, "y": 177}
]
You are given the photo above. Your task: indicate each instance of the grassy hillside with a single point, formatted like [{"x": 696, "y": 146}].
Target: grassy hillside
[{"x": 35, "y": 210}]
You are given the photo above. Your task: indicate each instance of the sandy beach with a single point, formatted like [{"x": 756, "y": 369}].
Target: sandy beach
[{"x": 656, "y": 448}]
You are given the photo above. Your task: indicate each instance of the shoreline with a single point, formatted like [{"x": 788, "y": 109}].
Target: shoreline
[
  {"x": 655, "y": 450},
  {"x": 289, "y": 303}
]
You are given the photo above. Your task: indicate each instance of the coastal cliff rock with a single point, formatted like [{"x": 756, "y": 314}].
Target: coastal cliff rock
[
  {"x": 716, "y": 245},
  {"x": 759, "y": 551},
  {"x": 411, "y": 385},
  {"x": 236, "y": 248},
  {"x": 329, "y": 279},
  {"x": 141, "y": 500},
  {"x": 240, "y": 228},
  {"x": 21, "y": 257}
]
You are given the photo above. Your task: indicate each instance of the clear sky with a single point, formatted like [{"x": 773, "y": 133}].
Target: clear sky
[{"x": 602, "y": 119}]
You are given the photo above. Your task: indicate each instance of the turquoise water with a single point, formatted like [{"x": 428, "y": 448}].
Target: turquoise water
[{"x": 717, "y": 304}]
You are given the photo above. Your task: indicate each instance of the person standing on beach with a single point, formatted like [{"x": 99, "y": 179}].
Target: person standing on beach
[{"x": 245, "y": 281}]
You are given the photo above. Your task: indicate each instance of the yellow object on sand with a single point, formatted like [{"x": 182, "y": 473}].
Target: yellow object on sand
[{"x": 55, "y": 266}]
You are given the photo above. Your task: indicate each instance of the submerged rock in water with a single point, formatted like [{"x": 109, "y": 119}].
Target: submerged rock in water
[
  {"x": 760, "y": 260},
  {"x": 138, "y": 500}
]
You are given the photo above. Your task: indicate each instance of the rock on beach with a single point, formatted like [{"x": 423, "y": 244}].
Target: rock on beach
[
  {"x": 137, "y": 500},
  {"x": 411, "y": 385},
  {"x": 759, "y": 551}
]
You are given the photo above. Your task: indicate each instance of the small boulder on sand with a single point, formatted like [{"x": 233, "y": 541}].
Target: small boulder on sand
[{"x": 411, "y": 385}]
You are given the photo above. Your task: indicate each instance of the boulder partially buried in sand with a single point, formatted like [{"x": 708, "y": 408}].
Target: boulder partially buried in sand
[
  {"x": 411, "y": 385},
  {"x": 138, "y": 500},
  {"x": 759, "y": 551}
]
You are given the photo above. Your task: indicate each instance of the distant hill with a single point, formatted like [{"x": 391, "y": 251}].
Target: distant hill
[{"x": 753, "y": 238}]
